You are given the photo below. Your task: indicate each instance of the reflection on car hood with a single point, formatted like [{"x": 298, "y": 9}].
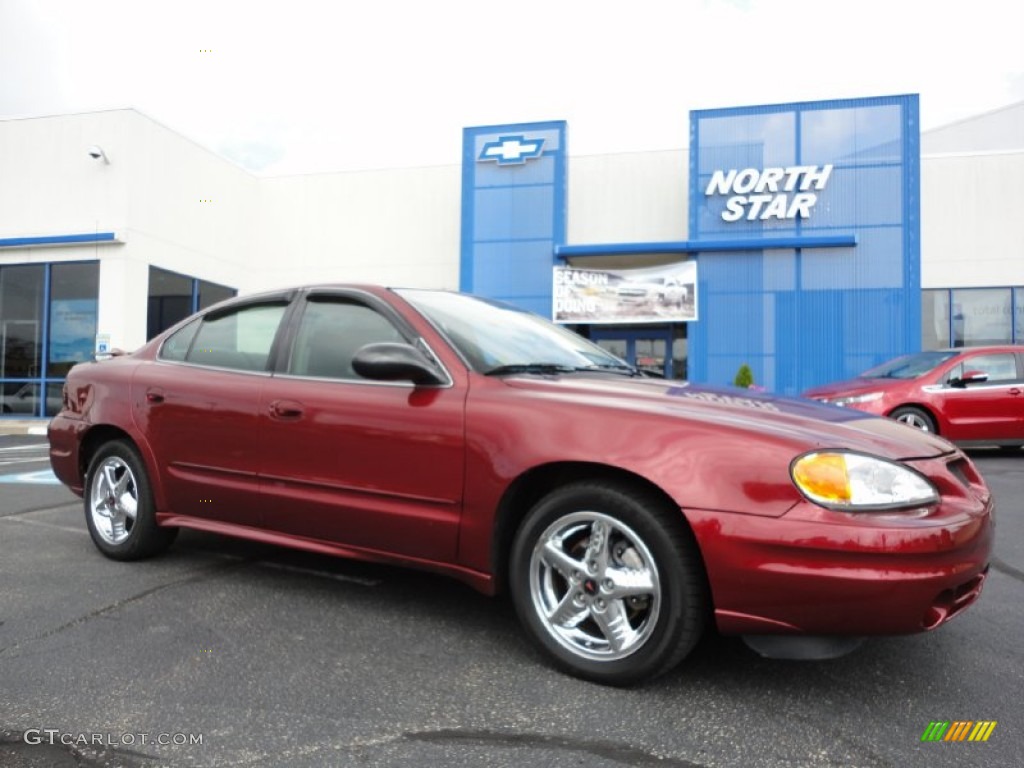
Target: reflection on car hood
[
  {"x": 804, "y": 423},
  {"x": 855, "y": 387}
]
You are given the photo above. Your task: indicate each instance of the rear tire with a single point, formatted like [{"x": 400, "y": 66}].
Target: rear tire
[
  {"x": 608, "y": 582},
  {"x": 119, "y": 508},
  {"x": 915, "y": 417}
]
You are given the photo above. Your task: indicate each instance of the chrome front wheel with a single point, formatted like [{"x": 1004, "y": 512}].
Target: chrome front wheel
[
  {"x": 608, "y": 581},
  {"x": 595, "y": 585}
]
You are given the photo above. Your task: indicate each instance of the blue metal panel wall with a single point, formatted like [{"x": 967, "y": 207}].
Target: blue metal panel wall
[
  {"x": 513, "y": 211},
  {"x": 806, "y": 316}
]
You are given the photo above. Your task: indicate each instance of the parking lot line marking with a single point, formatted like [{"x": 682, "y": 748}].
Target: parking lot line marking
[
  {"x": 39, "y": 477},
  {"x": 21, "y": 460},
  {"x": 41, "y": 524}
]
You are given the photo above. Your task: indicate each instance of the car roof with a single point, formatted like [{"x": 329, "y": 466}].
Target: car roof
[{"x": 983, "y": 348}]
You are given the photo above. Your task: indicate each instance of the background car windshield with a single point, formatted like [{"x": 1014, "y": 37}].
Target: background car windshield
[
  {"x": 909, "y": 367},
  {"x": 491, "y": 334}
]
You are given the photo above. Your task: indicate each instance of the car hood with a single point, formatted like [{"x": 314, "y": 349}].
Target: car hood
[
  {"x": 804, "y": 424},
  {"x": 855, "y": 386}
]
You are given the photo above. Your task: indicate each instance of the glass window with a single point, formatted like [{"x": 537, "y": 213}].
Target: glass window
[
  {"x": 175, "y": 347},
  {"x": 1018, "y": 315},
  {"x": 21, "y": 321},
  {"x": 54, "y": 398},
  {"x": 981, "y": 316},
  {"x": 20, "y": 398},
  {"x": 74, "y": 290},
  {"x": 493, "y": 335},
  {"x": 170, "y": 300},
  {"x": 935, "y": 319},
  {"x": 330, "y": 334},
  {"x": 211, "y": 293},
  {"x": 240, "y": 339},
  {"x": 999, "y": 367}
]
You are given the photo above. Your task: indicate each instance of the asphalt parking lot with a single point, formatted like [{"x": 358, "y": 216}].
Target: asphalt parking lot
[{"x": 276, "y": 658}]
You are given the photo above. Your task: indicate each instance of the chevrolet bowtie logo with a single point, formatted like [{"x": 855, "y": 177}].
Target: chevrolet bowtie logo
[{"x": 511, "y": 150}]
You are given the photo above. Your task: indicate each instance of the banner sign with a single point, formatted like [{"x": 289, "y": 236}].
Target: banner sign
[{"x": 663, "y": 294}]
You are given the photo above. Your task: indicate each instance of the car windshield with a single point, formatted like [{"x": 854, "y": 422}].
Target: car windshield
[
  {"x": 496, "y": 338},
  {"x": 909, "y": 367}
]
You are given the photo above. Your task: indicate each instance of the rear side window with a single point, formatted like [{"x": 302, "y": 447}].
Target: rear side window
[
  {"x": 330, "y": 334},
  {"x": 240, "y": 339},
  {"x": 175, "y": 347}
]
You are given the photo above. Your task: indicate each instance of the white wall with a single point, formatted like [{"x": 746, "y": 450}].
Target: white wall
[
  {"x": 630, "y": 197},
  {"x": 972, "y": 229},
  {"x": 49, "y": 184},
  {"x": 188, "y": 209},
  {"x": 393, "y": 227},
  {"x": 149, "y": 195},
  {"x": 995, "y": 131}
]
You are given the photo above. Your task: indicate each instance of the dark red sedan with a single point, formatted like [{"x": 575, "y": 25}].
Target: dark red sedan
[
  {"x": 625, "y": 515},
  {"x": 972, "y": 396}
]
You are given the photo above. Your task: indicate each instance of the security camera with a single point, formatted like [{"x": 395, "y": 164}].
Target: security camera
[{"x": 96, "y": 153}]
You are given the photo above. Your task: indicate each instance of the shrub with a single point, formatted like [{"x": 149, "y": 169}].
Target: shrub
[{"x": 744, "y": 377}]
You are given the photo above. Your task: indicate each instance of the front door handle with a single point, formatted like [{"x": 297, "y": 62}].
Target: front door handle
[
  {"x": 286, "y": 409},
  {"x": 154, "y": 395}
]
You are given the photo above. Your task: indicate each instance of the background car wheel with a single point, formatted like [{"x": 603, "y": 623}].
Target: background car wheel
[
  {"x": 609, "y": 582},
  {"x": 119, "y": 507},
  {"x": 914, "y": 417}
]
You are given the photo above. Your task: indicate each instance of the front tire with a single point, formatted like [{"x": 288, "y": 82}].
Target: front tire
[
  {"x": 119, "y": 508},
  {"x": 609, "y": 582}
]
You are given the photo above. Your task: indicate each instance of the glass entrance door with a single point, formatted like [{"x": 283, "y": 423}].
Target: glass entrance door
[{"x": 657, "y": 351}]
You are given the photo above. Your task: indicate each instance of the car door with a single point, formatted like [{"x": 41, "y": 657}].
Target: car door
[
  {"x": 357, "y": 462},
  {"x": 197, "y": 405},
  {"x": 988, "y": 410}
]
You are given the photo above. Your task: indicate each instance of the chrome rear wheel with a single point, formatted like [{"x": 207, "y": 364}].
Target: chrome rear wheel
[{"x": 119, "y": 507}]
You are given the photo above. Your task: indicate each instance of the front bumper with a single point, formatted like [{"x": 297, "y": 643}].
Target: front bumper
[{"x": 815, "y": 571}]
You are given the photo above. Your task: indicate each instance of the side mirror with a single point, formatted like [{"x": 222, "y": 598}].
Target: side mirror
[
  {"x": 387, "y": 361},
  {"x": 969, "y": 377}
]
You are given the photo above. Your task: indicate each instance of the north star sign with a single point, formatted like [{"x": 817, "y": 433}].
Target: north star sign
[{"x": 771, "y": 193}]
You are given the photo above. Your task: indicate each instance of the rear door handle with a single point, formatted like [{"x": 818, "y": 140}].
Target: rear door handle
[
  {"x": 154, "y": 395},
  {"x": 286, "y": 409}
]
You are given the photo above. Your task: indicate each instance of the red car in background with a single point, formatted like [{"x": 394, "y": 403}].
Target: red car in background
[
  {"x": 624, "y": 515},
  {"x": 971, "y": 396}
]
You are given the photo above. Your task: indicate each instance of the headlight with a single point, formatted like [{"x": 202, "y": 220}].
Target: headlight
[
  {"x": 855, "y": 482},
  {"x": 854, "y": 399}
]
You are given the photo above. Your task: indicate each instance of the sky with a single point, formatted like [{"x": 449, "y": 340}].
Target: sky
[{"x": 296, "y": 86}]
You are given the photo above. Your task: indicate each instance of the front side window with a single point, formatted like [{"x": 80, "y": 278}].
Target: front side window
[
  {"x": 1001, "y": 368},
  {"x": 240, "y": 339},
  {"x": 331, "y": 332}
]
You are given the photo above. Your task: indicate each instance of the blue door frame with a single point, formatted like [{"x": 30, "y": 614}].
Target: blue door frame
[{"x": 631, "y": 336}]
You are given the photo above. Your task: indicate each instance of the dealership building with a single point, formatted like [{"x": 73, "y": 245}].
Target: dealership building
[{"x": 808, "y": 240}]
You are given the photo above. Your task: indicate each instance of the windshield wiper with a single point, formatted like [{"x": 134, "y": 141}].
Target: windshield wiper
[
  {"x": 553, "y": 368},
  {"x": 625, "y": 370},
  {"x": 541, "y": 368}
]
